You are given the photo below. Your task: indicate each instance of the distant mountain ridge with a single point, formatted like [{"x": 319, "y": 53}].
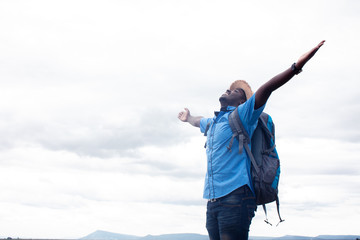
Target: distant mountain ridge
[
  {"x": 99, "y": 234},
  {"x": 103, "y": 235}
]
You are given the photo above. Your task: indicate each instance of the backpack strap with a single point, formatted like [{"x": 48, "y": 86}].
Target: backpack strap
[
  {"x": 205, "y": 133},
  {"x": 278, "y": 210},
  {"x": 238, "y": 130},
  {"x": 206, "y": 129},
  {"x": 253, "y": 161},
  {"x": 266, "y": 218}
]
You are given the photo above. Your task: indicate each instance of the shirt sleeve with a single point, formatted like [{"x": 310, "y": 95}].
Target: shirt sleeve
[
  {"x": 203, "y": 123},
  {"x": 247, "y": 112}
]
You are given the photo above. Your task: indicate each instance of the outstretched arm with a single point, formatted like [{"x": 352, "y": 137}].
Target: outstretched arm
[
  {"x": 264, "y": 92},
  {"x": 185, "y": 116}
]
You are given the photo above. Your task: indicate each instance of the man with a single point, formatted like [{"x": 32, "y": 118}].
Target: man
[{"x": 231, "y": 202}]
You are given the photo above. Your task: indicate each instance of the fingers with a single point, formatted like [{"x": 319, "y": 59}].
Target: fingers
[
  {"x": 183, "y": 115},
  {"x": 307, "y": 56},
  {"x": 180, "y": 114},
  {"x": 312, "y": 53},
  {"x": 321, "y": 43}
]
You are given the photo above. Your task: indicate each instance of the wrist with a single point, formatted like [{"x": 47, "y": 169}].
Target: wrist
[{"x": 296, "y": 70}]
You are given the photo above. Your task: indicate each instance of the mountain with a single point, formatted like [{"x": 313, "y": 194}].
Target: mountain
[
  {"x": 337, "y": 237},
  {"x": 180, "y": 236},
  {"x": 320, "y": 237},
  {"x": 103, "y": 235},
  {"x": 291, "y": 237},
  {"x": 287, "y": 237}
]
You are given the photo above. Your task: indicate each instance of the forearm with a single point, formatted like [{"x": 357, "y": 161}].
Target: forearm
[
  {"x": 185, "y": 116},
  {"x": 194, "y": 121},
  {"x": 264, "y": 92}
]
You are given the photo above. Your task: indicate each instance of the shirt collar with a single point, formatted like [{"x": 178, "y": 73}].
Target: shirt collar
[{"x": 225, "y": 109}]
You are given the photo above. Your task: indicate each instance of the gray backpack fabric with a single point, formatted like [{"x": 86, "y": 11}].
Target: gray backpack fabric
[{"x": 265, "y": 162}]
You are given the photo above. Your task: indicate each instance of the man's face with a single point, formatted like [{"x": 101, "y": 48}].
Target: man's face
[{"x": 233, "y": 98}]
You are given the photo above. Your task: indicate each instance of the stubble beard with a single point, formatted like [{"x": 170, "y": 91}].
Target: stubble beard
[{"x": 223, "y": 101}]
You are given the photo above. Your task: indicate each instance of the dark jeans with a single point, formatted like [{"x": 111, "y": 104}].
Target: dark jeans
[{"x": 229, "y": 217}]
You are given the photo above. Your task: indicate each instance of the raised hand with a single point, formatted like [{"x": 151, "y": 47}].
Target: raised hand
[
  {"x": 307, "y": 56},
  {"x": 265, "y": 90},
  {"x": 184, "y": 115}
]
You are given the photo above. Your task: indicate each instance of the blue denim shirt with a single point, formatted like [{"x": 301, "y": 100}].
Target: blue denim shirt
[{"x": 227, "y": 170}]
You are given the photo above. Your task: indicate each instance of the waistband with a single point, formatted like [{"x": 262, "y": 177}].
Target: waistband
[{"x": 242, "y": 189}]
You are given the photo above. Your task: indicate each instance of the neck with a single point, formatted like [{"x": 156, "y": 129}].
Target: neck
[
  {"x": 223, "y": 103},
  {"x": 223, "y": 108}
]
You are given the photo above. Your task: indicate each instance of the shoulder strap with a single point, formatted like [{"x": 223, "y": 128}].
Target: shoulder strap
[
  {"x": 238, "y": 130},
  {"x": 205, "y": 133},
  {"x": 206, "y": 129},
  {"x": 236, "y": 124}
]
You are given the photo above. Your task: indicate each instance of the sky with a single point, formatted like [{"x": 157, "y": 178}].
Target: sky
[{"x": 89, "y": 97}]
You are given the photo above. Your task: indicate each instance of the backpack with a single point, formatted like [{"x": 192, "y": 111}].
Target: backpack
[{"x": 265, "y": 162}]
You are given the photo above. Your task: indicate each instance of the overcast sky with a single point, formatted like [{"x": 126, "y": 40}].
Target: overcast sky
[{"x": 89, "y": 97}]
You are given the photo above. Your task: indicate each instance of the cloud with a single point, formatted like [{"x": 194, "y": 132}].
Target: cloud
[
  {"x": 90, "y": 94},
  {"x": 96, "y": 137},
  {"x": 316, "y": 108}
]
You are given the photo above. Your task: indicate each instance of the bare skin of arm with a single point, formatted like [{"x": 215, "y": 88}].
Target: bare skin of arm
[
  {"x": 264, "y": 92},
  {"x": 185, "y": 116}
]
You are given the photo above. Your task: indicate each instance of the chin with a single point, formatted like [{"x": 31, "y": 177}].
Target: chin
[
  {"x": 224, "y": 95},
  {"x": 223, "y": 101}
]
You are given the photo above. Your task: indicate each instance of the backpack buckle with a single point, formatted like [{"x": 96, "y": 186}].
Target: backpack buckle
[
  {"x": 267, "y": 222},
  {"x": 281, "y": 220}
]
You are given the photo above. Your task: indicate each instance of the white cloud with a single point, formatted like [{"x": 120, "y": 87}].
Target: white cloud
[{"x": 90, "y": 91}]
